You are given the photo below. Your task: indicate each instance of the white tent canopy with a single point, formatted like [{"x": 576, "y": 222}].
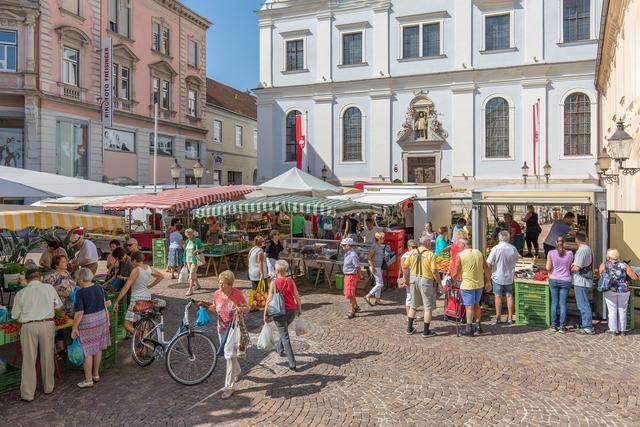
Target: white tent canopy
[
  {"x": 15, "y": 180},
  {"x": 378, "y": 199},
  {"x": 295, "y": 181}
]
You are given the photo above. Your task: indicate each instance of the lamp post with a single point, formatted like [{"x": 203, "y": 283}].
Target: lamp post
[
  {"x": 620, "y": 146},
  {"x": 547, "y": 171},
  {"x": 175, "y": 173},
  {"x": 525, "y": 172},
  {"x": 603, "y": 164},
  {"x": 324, "y": 172},
  {"x": 198, "y": 171}
]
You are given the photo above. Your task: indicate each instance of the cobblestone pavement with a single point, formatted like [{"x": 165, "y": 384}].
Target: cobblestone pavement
[{"x": 367, "y": 372}]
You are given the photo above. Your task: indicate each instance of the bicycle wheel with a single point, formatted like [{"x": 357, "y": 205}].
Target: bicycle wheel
[
  {"x": 191, "y": 358},
  {"x": 143, "y": 351}
]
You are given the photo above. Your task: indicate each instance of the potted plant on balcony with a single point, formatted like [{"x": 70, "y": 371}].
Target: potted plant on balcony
[{"x": 11, "y": 272}]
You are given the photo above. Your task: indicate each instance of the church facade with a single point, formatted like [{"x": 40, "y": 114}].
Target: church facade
[{"x": 466, "y": 91}]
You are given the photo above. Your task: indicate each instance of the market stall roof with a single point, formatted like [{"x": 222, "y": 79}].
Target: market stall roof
[
  {"x": 538, "y": 194},
  {"x": 375, "y": 198},
  {"x": 16, "y": 217},
  {"x": 16, "y": 181},
  {"x": 288, "y": 204},
  {"x": 75, "y": 202},
  {"x": 295, "y": 181},
  {"x": 181, "y": 198}
]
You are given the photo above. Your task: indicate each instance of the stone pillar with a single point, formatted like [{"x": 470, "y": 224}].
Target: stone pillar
[
  {"x": 462, "y": 140},
  {"x": 324, "y": 61},
  {"x": 532, "y": 91},
  {"x": 270, "y": 139},
  {"x": 381, "y": 40},
  {"x": 322, "y": 136},
  {"x": 463, "y": 39},
  {"x": 266, "y": 53},
  {"x": 380, "y": 138},
  {"x": 30, "y": 44},
  {"x": 31, "y": 137},
  {"x": 533, "y": 37}
]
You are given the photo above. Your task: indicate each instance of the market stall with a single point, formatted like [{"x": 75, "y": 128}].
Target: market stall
[
  {"x": 289, "y": 204},
  {"x": 295, "y": 181},
  {"x": 171, "y": 204},
  {"x": 588, "y": 202}
]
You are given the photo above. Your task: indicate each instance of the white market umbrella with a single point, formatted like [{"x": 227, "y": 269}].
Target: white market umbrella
[{"x": 295, "y": 181}]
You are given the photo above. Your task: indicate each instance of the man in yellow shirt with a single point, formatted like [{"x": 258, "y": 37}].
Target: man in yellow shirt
[
  {"x": 34, "y": 309},
  {"x": 421, "y": 263},
  {"x": 476, "y": 276}
]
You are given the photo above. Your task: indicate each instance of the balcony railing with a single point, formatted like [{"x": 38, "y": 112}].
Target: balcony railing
[{"x": 71, "y": 92}]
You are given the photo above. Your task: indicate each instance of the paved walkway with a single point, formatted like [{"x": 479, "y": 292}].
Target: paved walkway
[{"x": 368, "y": 372}]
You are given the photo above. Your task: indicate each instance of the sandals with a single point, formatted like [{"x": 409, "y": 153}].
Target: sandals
[
  {"x": 350, "y": 315},
  {"x": 85, "y": 384},
  {"x": 368, "y": 301},
  {"x": 227, "y": 394},
  {"x": 96, "y": 379}
]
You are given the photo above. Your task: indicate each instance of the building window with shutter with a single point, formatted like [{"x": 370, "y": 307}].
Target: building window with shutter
[
  {"x": 577, "y": 125},
  {"x": 193, "y": 103},
  {"x": 290, "y": 142},
  {"x": 295, "y": 55},
  {"x": 497, "y": 32},
  {"x": 70, "y": 66},
  {"x": 352, "y": 49},
  {"x": 239, "y": 136},
  {"x": 8, "y": 50},
  {"x": 193, "y": 53},
  {"x": 165, "y": 95},
  {"x": 217, "y": 131},
  {"x": 255, "y": 140},
  {"x": 120, "y": 17},
  {"x": 576, "y": 20}
]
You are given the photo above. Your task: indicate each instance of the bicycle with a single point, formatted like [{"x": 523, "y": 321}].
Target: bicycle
[{"x": 190, "y": 356}]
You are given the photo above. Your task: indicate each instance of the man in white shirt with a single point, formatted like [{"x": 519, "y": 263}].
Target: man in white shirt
[
  {"x": 87, "y": 255},
  {"x": 502, "y": 259},
  {"x": 369, "y": 232},
  {"x": 34, "y": 309}
]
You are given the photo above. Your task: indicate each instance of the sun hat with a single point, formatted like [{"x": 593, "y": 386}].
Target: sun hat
[
  {"x": 347, "y": 241},
  {"x": 75, "y": 239}
]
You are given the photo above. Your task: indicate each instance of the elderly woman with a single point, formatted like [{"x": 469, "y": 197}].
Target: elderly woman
[
  {"x": 192, "y": 248},
  {"x": 559, "y": 263},
  {"x": 256, "y": 262},
  {"x": 617, "y": 297},
  {"x": 61, "y": 280},
  {"x": 227, "y": 301},
  {"x": 91, "y": 325},
  {"x": 53, "y": 249}
]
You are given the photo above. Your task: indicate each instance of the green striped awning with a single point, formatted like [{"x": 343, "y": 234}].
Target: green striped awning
[{"x": 287, "y": 204}]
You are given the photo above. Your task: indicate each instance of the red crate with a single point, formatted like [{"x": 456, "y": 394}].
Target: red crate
[{"x": 394, "y": 235}]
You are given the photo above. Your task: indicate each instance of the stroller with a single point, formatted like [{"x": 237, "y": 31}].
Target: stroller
[{"x": 453, "y": 307}]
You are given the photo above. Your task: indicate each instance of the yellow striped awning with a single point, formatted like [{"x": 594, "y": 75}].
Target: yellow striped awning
[{"x": 20, "y": 217}]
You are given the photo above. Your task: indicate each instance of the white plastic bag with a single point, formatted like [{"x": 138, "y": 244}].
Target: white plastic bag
[
  {"x": 301, "y": 326},
  {"x": 183, "y": 277},
  {"x": 266, "y": 341},
  {"x": 231, "y": 346}
]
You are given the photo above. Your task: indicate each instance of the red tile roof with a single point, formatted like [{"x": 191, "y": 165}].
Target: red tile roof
[{"x": 228, "y": 98}]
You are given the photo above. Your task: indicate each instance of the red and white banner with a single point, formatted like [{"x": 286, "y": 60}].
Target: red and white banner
[
  {"x": 536, "y": 137},
  {"x": 301, "y": 143},
  {"x": 106, "y": 91}
]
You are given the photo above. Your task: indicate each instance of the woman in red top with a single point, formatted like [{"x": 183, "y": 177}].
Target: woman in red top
[
  {"x": 517, "y": 236},
  {"x": 292, "y": 304}
]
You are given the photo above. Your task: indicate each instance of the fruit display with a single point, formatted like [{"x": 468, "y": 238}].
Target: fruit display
[
  {"x": 443, "y": 261},
  {"x": 541, "y": 275},
  {"x": 10, "y": 327},
  {"x": 60, "y": 317}
]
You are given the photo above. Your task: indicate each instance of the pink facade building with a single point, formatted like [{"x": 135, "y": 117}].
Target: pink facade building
[{"x": 50, "y": 95}]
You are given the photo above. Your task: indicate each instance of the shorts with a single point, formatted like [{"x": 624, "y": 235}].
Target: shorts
[
  {"x": 409, "y": 299},
  {"x": 471, "y": 296},
  {"x": 499, "y": 289},
  {"x": 350, "y": 282},
  {"x": 423, "y": 293}
]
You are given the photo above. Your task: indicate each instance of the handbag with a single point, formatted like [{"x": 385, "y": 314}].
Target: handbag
[
  {"x": 200, "y": 261},
  {"x": 604, "y": 282},
  {"x": 276, "y": 304}
]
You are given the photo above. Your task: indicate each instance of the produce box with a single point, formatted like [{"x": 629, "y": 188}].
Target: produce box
[
  {"x": 532, "y": 305},
  {"x": 10, "y": 380},
  {"x": 109, "y": 356},
  {"x": 631, "y": 315}
]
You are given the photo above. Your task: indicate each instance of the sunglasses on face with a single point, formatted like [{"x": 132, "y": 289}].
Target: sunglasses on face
[{"x": 130, "y": 244}]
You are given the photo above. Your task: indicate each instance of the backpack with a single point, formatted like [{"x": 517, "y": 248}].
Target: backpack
[{"x": 604, "y": 282}]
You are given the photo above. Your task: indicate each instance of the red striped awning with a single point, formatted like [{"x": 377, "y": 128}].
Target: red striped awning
[{"x": 181, "y": 198}]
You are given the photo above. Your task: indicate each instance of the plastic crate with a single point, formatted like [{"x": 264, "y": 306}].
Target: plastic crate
[
  {"x": 1, "y": 337},
  {"x": 12, "y": 337},
  {"x": 532, "y": 305},
  {"x": 158, "y": 244},
  {"x": 10, "y": 380},
  {"x": 109, "y": 356},
  {"x": 631, "y": 315},
  {"x": 531, "y": 288}
]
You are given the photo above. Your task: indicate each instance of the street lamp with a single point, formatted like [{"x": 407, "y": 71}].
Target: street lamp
[
  {"x": 603, "y": 164},
  {"x": 175, "y": 173},
  {"x": 198, "y": 171},
  {"x": 547, "y": 171},
  {"x": 620, "y": 146},
  {"x": 324, "y": 172},
  {"x": 525, "y": 172}
]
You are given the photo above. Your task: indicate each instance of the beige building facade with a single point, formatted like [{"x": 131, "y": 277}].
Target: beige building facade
[
  {"x": 618, "y": 84},
  {"x": 232, "y": 139}
]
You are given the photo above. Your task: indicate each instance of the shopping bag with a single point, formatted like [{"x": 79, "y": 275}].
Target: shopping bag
[
  {"x": 200, "y": 261},
  {"x": 75, "y": 353},
  {"x": 244, "y": 340},
  {"x": 276, "y": 303},
  {"x": 258, "y": 298},
  {"x": 203, "y": 317},
  {"x": 72, "y": 295},
  {"x": 231, "y": 346},
  {"x": 223, "y": 342},
  {"x": 266, "y": 341},
  {"x": 301, "y": 326},
  {"x": 183, "y": 277}
]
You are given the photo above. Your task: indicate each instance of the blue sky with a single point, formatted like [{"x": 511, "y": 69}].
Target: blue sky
[{"x": 232, "y": 40}]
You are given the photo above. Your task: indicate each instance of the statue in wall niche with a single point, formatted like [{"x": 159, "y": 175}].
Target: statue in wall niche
[{"x": 420, "y": 126}]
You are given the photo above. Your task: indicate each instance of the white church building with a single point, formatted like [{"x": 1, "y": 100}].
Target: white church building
[{"x": 425, "y": 91}]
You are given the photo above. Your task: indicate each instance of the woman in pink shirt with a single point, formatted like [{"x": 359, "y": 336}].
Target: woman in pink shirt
[{"x": 559, "y": 263}]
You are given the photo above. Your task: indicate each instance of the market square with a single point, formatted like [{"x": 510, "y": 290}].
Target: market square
[{"x": 297, "y": 212}]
